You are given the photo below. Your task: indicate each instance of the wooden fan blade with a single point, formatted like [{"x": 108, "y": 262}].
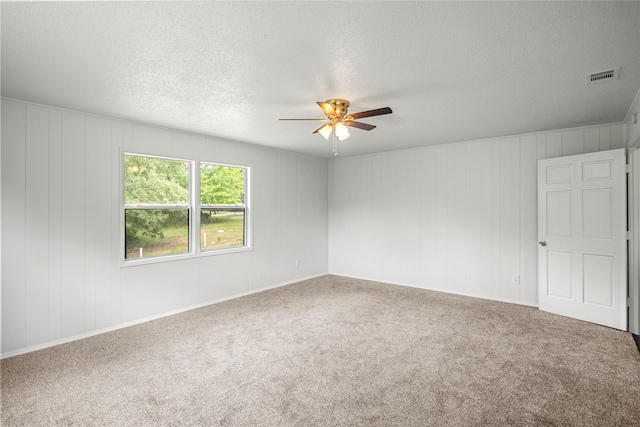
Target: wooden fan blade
[
  {"x": 315, "y": 120},
  {"x": 327, "y": 108},
  {"x": 358, "y": 125},
  {"x": 376, "y": 112}
]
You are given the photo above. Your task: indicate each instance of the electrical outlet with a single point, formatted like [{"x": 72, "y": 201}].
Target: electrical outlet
[{"x": 515, "y": 279}]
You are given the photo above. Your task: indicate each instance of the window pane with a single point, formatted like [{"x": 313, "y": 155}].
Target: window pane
[
  {"x": 149, "y": 180},
  {"x": 221, "y": 185},
  {"x": 150, "y": 233},
  {"x": 221, "y": 228}
]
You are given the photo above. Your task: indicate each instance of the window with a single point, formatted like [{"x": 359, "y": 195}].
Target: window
[
  {"x": 160, "y": 199},
  {"x": 222, "y": 206},
  {"x": 156, "y": 213}
]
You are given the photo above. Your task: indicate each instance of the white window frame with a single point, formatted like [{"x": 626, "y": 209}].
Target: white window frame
[
  {"x": 245, "y": 206},
  {"x": 194, "y": 212}
]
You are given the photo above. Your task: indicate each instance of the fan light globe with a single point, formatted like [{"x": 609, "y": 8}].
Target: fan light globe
[
  {"x": 342, "y": 132},
  {"x": 325, "y": 131}
]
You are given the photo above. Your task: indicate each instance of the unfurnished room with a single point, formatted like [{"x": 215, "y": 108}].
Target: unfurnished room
[{"x": 367, "y": 213}]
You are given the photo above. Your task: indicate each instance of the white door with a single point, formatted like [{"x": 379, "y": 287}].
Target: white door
[{"x": 582, "y": 252}]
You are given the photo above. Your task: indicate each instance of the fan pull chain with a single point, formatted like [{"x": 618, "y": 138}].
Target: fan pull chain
[{"x": 334, "y": 150}]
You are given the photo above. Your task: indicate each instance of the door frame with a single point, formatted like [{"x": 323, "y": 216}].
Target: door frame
[{"x": 633, "y": 189}]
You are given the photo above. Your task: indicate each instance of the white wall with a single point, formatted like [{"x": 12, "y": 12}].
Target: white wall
[
  {"x": 61, "y": 226},
  {"x": 459, "y": 218}
]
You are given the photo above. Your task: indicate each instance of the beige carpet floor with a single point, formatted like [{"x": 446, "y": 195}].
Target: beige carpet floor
[{"x": 334, "y": 351}]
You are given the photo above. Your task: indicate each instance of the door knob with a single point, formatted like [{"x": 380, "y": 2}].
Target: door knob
[{"x": 543, "y": 243}]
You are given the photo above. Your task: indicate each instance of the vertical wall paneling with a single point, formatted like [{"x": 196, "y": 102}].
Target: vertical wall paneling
[
  {"x": 473, "y": 238},
  {"x": 374, "y": 223},
  {"x": 617, "y": 137},
  {"x": 92, "y": 206},
  {"x": 512, "y": 234},
  {"x": 605, "y": 138},
  {"x": 154, "y": 288},
  {"x": 55, "y": 225},
  {"x": 299, "y": 236},
  {"x": 338, "y": 236},
  {"x": 450, "y": 197},
  {"x": 73, "y": 224},
  {"x": 411, "y": 184},
  {"x": 121, "y": 137},
  {"x": 98, "y": 212},
  {"x": 516, "y": 156},
  {"x": 395, "y": 215},
  {"x": 425, "y": 195},
  {"x": 223, "y": 276},
  {"x": 507, "y": 218},
  {"x": 37, "y": 224},
  {"x": 265, "y": 210},
  {"x": 442, "y": 216},
  {"x": 318, "y": 240},
  {"x": 363, "y": 195},
  {"x": 542, "y": 146},
  {"x": 307, "y": 174},
  {"x": 146, "y": 139},
  {"x": 13, "y": 227},
  {"x": 497, "y": 192},
  {"x": 285, "y": 222},
  {"x": 281, "y": 214},
  {"x": 591, "y": 140},
  {"x": 528, "y": 216},
  {"x": 460, "y": 253},
  {"x": 573, "y": 142},
  {"x": 553, "y": 141},
  {"x": 487, "y": 232}
]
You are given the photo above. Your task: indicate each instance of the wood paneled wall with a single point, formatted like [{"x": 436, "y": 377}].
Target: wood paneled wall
[
  {"x": 458, "y": 218},
  {"x": 61, "y": 274}
]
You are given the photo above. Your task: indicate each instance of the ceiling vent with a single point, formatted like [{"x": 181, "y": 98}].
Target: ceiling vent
[{"x": 602, "y": 76}]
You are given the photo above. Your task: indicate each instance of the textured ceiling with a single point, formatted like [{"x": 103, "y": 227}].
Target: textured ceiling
[{"x": 450, "y": 71}]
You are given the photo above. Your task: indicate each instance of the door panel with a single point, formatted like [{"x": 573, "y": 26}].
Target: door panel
[
  {"x": 597, "y": 170},
  {"x": 598, "y": 279},
  {"x": 597, "y": 218},
  {"x": 559, "y": 274},
  {"x": 582, "y": 234},
  {"x": 559, "y": 213},
  {"x": 559, "y": 174}
]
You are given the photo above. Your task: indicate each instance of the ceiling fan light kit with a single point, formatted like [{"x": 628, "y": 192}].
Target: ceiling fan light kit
[
  {"x": 341, "y": 131},
  {"x": 338, "y": 120},
  {"x": 325, "y": 131}
]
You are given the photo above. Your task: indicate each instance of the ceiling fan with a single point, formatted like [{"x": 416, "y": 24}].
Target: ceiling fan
[{"x": 338, "y": 119}]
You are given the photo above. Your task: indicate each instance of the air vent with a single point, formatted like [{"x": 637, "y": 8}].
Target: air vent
[{"x": 602, "y": 76}]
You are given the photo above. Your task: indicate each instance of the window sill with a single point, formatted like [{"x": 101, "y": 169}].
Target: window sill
[{"x": 181, "y": 257}]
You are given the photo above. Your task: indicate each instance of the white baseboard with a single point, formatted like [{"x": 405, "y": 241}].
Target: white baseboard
[
  {"x": 148, "y": 319},
  {"x": 443, "y": 290}
]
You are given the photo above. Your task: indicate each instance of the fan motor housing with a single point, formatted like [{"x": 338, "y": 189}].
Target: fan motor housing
[{"x": 340, "y": 106}]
